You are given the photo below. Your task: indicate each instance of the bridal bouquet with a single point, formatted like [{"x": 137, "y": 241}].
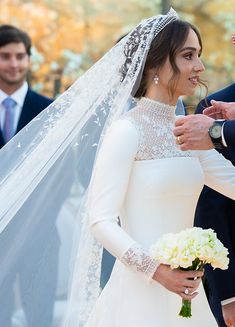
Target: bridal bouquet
[{"x": 190, "y": 249}]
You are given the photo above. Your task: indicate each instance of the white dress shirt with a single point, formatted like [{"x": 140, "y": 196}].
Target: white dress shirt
[
  {"x": 19, "y": 97},
  {"x": 223, "y": 138},
  {"x": 232, "y": 299}
]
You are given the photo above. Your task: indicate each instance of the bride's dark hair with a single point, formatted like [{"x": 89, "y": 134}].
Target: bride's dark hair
[{"x": 166, "y": 45}]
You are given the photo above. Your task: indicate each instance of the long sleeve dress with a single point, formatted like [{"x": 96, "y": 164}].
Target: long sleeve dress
[{"x": 142, "y": 177}]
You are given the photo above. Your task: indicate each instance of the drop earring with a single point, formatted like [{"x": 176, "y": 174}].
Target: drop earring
[{"x": 156, "y": 79}]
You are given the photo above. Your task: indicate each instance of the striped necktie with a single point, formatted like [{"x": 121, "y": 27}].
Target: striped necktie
[{"x": 8, "y": 127}]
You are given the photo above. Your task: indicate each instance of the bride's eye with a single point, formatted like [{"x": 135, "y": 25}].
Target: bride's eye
[{"x": 188, "y": 56}]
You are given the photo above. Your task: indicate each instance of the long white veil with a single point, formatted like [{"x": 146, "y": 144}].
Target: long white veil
[{"x": 50, "y": 263}]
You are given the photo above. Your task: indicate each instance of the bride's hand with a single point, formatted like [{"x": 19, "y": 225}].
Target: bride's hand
[{"x": 179, "y": 281}]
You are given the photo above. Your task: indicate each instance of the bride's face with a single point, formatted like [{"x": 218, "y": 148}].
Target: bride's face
[{"x": 190, "y": 67}]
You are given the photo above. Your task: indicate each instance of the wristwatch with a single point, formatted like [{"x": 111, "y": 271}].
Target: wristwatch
[{"x": 215, "y": 133}]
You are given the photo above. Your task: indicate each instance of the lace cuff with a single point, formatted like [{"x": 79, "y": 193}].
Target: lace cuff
[{"x": 138, "y": 259}]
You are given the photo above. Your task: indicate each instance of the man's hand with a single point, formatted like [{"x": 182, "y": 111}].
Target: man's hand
[
  {"x": 191, "y": 132},
  {"x": 220, "y": 110},
  {"x": 229, "y": 313}
]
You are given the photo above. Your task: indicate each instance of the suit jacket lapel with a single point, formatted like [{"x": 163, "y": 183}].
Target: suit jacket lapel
[
  {"x": 25, "y": 116},
  {"x": 27, "y": 113}
]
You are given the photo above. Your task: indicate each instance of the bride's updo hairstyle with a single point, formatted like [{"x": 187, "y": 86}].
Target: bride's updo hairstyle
[{"x": 165, "y": 45}]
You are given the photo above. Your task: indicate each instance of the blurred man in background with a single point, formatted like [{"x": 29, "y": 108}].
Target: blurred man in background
[{"x": 19, "y": 104}]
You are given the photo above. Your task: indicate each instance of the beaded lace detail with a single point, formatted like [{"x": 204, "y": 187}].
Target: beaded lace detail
[
  {"x": 155, "y": 121},
  {"x": 139, "y": 260}
]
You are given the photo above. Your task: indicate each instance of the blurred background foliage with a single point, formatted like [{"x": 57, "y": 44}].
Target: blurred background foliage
[{"x": 70, "y": 35}]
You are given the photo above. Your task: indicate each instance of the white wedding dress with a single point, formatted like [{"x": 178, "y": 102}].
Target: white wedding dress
[{"x": 142, "y": 177}]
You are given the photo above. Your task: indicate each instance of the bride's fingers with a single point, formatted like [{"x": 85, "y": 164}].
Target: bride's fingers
[
  {"x": 188, "y": 296},
  {"x": 177, "y": 280},
  {"x": 189, "y": 287},
  {"x": 192, "y": 282},
  {"x": 189, "y": 290},
  {"x": 191, "y": 274},
  {"x": 196, "y": 282}
]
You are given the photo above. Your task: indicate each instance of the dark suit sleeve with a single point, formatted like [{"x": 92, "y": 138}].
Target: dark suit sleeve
[
  {"x": 229, "y": 132},
  {"x": 201, "y": 106}
]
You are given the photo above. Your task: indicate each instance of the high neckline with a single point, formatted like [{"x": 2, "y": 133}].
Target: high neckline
[
  {"x": 157, "y": 107},
  {"x": 154, "y": 104}
]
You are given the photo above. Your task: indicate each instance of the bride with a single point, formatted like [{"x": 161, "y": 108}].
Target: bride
[{"x": 140, "y": 176}]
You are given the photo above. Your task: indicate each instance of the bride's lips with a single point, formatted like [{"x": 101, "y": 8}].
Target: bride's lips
[{"x": 194, "y": 80}]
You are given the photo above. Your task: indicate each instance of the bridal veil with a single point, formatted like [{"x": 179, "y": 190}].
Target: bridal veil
[{"x": 45, "y": 174}]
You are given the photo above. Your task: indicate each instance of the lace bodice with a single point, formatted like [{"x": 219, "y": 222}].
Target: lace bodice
[
  {"x": 154, "y": 122},
  {"x": 153, "y": 138}
]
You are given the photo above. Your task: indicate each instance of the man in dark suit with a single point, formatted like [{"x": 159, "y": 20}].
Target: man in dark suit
[
  {"x": 216, "y": 211},
  {"x": 19, "y": 104},
  {"x": 15, "y": 48}
]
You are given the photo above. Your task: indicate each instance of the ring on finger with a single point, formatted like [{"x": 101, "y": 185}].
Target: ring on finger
[
  {"x": 186, "y": 291},
  {"x": 178, "y": 140}
]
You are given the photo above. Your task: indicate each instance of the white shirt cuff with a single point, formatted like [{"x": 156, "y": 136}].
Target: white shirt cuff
[
  {"x": 222, "y": 135},
  {"x": 224, "y": 302}
]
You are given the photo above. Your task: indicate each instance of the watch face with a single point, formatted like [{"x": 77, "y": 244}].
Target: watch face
[{"x": 215, "y": 131}]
